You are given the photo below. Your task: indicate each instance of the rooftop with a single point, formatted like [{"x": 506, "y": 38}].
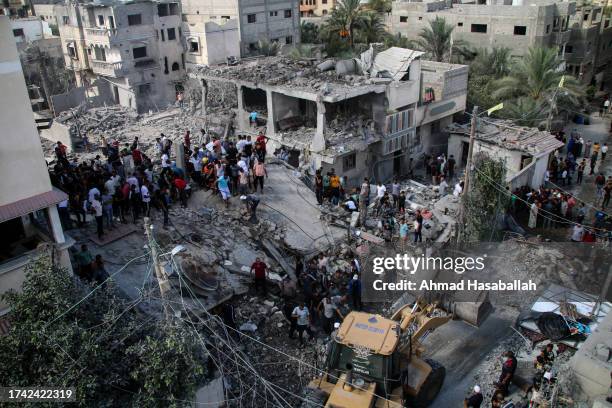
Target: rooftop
[
  {"x": 505, "y": 134},
  {"x": 331, "y": 79}
]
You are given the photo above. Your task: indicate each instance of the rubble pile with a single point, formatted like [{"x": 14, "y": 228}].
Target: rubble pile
[
  {"x": 97, "y": 120},
  {"x": 274, "y": 71},
  {"x": 222, "y": 95}
]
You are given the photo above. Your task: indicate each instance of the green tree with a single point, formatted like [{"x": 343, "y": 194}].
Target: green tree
[
  {"x": 525, "y": 111},
  {"x": 537, "y": 75},
  {"x": 495, "y": 62},
  {"x": 485, "y": 201},
  {"x": 105, "y": 349},
  {"x": 380, "y": 6},
  {"x": 438, "y": 42},
  {"x": 345, "y": 18},
  {"x": 371, "y": 29},
  {"x": 309, "y": 33},
  {"x": 268, "y": 48},
  {"x": 396, "y": 40}
]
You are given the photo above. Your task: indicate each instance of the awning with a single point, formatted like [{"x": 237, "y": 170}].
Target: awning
[{"x": 31, "y": 204}]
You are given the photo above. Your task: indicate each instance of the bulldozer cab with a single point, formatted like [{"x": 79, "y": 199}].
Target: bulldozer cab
[{"x": 368, "y": 345}]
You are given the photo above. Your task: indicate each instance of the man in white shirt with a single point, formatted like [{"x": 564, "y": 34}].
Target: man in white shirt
[
  {"x": 92, "y": 193},
  {"x": 577, "y": 233},
  {"x": 302, "y": 315},
  {"x": 96, "y": 206},
  {"x": 146, "y": 198},
  {"x": 442, "y": 187},
  {"x": 604, "y": 151},
  {"x": 164, "y": 160},
  {"x": 458, "y": 189},
  {"x": 380, "y": 190},
  {"x": 132, "y": 180}
]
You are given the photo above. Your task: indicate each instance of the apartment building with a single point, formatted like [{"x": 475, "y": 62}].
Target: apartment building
[
  {"x": 135, "y": 47},
  {"x": 29, "y": 220},
  {"x": 217, "y": 29},
  {"x": 498, "y": 23},
  {"x": 316, "y": 8},
  {"x": 588, "y": 52}
]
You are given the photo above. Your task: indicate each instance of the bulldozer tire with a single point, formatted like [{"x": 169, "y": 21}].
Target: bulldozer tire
[
  {"x": 313, "y": 398},
  {"x": 431, "y": 387}
]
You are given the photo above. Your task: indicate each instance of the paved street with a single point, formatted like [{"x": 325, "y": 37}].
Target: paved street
[{"x": 597, "y": 131}]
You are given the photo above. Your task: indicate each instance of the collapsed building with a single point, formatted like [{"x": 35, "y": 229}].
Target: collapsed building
[{"x": 365, "y": 116}]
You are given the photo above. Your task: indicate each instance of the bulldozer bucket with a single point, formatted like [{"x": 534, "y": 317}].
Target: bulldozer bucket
[{"x": 474, "y": 313}]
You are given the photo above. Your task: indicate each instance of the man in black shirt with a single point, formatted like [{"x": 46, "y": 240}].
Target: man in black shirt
[{"x": 474, "y": 400}]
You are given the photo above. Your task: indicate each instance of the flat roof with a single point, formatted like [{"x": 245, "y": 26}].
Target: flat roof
[
  {"x": 372, "y": 331},
  {"x": 299, "y": 78},
  {"x": 506, "y": 134}
]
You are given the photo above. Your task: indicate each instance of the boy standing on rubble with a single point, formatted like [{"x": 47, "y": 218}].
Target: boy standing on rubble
[{"x": 302, "y": 315}]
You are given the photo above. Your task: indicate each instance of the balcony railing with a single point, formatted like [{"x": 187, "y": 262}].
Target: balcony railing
[
  {"x": 101, "y": 35},
  {"x": 112, "y": 69}
]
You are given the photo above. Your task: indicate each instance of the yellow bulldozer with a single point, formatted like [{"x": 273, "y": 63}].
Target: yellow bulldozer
[{"x": 374, "y": 361}]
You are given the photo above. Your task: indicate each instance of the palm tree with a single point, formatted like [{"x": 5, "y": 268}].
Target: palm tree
[
  {"x": 309, "y": 33},
  {"x": 525, "y": 111},
  {"x": 494, "y": 62},
  {"x": 370, "y": 28},
  {"x": 268, "y": 48},
  {"x": 537, "y": 75},
  {"x": 346, "y": 17},
  {"x": 437, "y": 41},
  {"x": 396, "y": 40},
  {"x": 380, "y": 6}
]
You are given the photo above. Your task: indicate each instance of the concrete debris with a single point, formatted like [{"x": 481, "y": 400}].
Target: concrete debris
[{"x": 274, "y": 71}]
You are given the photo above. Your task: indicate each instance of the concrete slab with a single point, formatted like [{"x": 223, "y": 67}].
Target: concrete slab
[{"x": 288, "y": 202}]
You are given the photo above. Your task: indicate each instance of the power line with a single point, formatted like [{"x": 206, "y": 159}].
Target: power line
[{"x": 93, "y": 290}]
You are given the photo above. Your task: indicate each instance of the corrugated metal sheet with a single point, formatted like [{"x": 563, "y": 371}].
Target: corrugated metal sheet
[
  {"x": 28, "y": 205},
  {"x": 395, "y": 61}
]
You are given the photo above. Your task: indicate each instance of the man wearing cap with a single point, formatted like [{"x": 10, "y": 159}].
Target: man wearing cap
[{"x": 474, "y": 400}]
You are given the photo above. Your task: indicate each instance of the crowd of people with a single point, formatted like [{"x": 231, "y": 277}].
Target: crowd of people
[
  {"x": 552, "y": 206},
  {"x": 326, "y": 294},
  {"x": 124, "y": 183}
]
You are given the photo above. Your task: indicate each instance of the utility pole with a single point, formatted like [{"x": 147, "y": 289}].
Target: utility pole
[
  {"x": 162, "y": 278},
  {"x": 468, "y": 166}
]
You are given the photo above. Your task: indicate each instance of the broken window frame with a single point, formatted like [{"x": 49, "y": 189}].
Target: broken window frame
[
  {"x": 196, "y": 41},
  {"x": 251, "y": 18},
  {"x": 72, "y": 50}
]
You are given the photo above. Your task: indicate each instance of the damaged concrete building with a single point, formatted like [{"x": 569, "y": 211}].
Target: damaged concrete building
[
  {"x": 217, "y": 29},
  {"x": 366, "y": 116},
  {"x": 133, "y": 47},
  {"x": 526, "y": 151}
]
